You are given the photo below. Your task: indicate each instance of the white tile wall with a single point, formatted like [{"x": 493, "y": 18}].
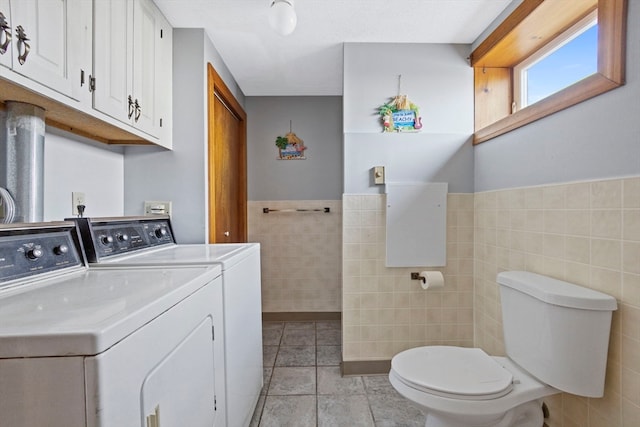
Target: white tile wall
[
  {"x": 587, "y": 233},
  {"x": 384, "y": 311},
  {"x": 301, "y": 255}
]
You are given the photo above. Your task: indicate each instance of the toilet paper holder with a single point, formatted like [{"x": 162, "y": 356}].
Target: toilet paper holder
[
  {"x": 416, "y": 276},
  {"x": 430, "y": 279}
]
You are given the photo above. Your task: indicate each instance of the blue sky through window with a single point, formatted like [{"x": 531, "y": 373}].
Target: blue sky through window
[{"x": 567, "y": 65}]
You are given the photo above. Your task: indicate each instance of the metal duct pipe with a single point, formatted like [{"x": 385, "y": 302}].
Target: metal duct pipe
[{"x": 24, "y": 159}]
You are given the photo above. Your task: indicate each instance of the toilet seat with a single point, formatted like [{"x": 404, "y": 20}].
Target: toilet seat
[{"x": 453, "y": 372}]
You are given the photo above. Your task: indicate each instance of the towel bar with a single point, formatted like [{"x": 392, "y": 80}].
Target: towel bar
[{"x": 325, "y": 210}]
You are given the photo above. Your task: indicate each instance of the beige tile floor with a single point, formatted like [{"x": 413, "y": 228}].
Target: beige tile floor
[{"x": 303, "y": 386}]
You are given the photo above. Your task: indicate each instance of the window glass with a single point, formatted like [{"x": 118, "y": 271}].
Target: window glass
[{"x": 567, "y": 60}]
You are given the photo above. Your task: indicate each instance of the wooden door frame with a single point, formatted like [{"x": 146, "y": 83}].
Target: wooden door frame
[{"x": 216, "y": 87}]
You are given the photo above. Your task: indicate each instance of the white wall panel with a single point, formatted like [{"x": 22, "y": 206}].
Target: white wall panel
[{"x": 92, "y": 168}]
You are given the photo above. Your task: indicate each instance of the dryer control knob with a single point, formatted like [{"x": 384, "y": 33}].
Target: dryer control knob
[
  {"x": 123, "y": 237},
  {"x": 161, "y": 232},
  {"x": 106, "y": 240},
  {"x": 34, "y": 253},
  {"x": 61, "y": 249}
]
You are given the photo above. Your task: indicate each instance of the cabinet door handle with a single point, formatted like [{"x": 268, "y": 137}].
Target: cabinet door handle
[
  {"x": 22, "y": 41},
  {"x": 130, "y": 107},
  {"x": 4, "y": 34},
  {"x": 138, "y": 109}
]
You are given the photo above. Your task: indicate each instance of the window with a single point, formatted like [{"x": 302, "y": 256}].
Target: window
[
  {"x": 518, "y": 44},
  {"x": 566, "y": 60}
]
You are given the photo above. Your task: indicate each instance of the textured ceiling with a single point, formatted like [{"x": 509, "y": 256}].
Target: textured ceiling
[{"x": 309, "y": 61}]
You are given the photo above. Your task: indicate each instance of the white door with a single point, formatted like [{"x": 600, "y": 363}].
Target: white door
[
  {"x": 113, "y": 55},
  {"x": 6, "y": 32},
  {"x": 47, "y": 34},
  {"x": 180, "y": 389}
]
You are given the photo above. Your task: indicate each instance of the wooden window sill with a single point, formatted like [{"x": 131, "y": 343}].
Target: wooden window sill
[{"x": 574, "y": 94}]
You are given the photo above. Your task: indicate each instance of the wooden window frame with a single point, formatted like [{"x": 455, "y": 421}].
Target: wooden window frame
[
  {"x": 514, "y": 40},
  {"x": 520, "y": 82}
]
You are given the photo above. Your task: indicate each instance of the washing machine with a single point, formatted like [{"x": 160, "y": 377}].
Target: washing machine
[
  {"x": 148, "y": 242},
  {"x": 107, "y": 347}
]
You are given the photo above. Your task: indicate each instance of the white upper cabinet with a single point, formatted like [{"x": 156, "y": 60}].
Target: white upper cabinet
[
  {"x": 132, "y": 50},
  {"x": 100, "y": 68},
  {"x": 6, "y": 33},
  {"x": 50, "y": 44}
]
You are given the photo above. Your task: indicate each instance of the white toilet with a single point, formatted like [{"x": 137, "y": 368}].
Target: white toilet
[{"x": 556, "y": 338}]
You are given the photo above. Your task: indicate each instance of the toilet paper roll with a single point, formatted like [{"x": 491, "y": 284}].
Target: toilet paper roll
[{"x": 431, "y": 279}]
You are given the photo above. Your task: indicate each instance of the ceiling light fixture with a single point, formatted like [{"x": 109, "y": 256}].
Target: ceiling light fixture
[{"x": 282, "y": 17}]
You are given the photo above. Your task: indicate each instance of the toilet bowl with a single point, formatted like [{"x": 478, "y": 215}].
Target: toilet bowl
[
  {"x": 465, "y": 387},
  {"x": 556, "y": 337}
]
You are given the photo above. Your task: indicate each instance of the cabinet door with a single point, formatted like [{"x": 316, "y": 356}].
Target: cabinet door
[
  {"x": 164, "y": 83},
  {"x": 80, "y": 58},
  {"x": 145, "y": 75},
  {"x": 46, "y": 36},
  {"x": 6, "y": 32},
  {"x": 113, "y": 55}
]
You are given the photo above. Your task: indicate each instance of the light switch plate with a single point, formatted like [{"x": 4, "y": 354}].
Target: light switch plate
[{"x": 378, "y": 175}]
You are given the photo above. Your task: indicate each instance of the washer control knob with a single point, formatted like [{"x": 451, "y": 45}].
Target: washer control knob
[
  {"x": 61, "y": 249},
  {"x": 161, "y": 232},
  {"x": 35, "y": 253},
  {"x": 106, "y": 240},
  {"x": 123, "y": 237}
]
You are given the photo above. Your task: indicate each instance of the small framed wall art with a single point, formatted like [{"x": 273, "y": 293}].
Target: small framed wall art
[
  {"x": 400, "y": 115},
  {"x": 290, "y": 146}
]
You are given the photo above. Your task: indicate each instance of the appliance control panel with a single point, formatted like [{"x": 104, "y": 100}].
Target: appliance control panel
[
  {"x": 35, "y": 249},
  {"x": 108, "y": 237}
]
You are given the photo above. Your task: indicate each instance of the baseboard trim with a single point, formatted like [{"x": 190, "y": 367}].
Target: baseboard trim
[
  {"x": 366, "y": 367},
  {"x": 293, "y": 316}
]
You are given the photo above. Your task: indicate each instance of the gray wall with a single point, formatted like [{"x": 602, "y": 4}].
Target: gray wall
[
  {"x": 180, "y": 175},
  {"x": 596, "y": 139},
  {"x": 439, "y": 80},
  {"x": 317, "y": 120}
]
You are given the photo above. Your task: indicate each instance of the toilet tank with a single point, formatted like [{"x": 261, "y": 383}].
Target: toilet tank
[{"x": 557, "y": 331}]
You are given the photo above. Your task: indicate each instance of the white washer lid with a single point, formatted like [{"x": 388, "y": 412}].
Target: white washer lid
[
  {"x": 86, "y": 312},
  {"x": 455, "y": 372}
]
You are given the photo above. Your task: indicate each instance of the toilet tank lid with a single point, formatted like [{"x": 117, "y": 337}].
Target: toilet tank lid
[{"x": 557, "y": 292}]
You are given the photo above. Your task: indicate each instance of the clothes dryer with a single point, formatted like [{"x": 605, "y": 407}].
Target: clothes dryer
[{"x": 148, "y": 242}]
